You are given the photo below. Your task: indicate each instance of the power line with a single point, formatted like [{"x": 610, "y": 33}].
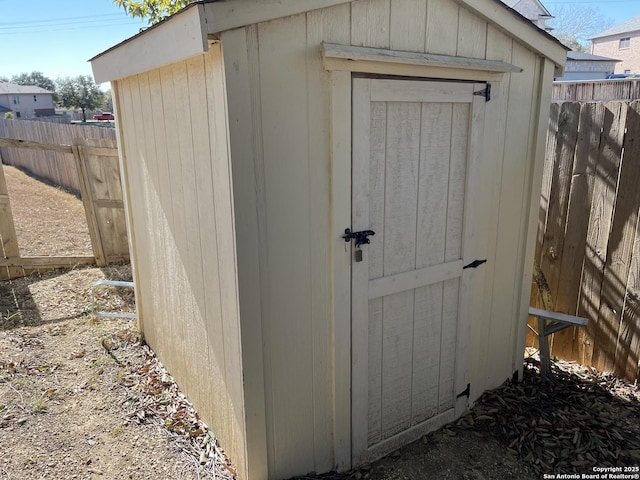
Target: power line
[
  {"x": 63, "y": 29},
  {"x": 62, "y": 19}
]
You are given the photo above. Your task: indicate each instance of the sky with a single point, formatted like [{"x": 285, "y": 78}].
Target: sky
[{"x": 57, "y": 37}]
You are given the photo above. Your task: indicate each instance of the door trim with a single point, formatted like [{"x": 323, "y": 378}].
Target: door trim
[{"x": 341, "y": 258}]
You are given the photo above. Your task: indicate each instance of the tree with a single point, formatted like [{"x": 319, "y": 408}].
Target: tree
[
  {"x": 574, "y": 25},
  {"x": 34, "y": 78},
  {"x": 80, "y": 92},
  {"x": 8, "y": 115},
  {"x": 108, "y": 101},
  {"x": 151, "y": 10}
]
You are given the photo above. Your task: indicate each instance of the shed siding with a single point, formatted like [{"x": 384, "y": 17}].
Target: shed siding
[
  {"x": 175, "y": 149},
  {"x": 290, "y": 100}
]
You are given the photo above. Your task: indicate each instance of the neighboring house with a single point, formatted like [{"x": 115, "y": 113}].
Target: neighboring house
[
  {"x": 26, "y": 101},
  {"x": 620, "y": 41},
  {"x": 585, "y": 66},
  {"x": 532, "y": 10}
]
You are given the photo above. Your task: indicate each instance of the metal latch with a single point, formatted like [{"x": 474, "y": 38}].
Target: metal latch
[{"x": 361, "y": 237}]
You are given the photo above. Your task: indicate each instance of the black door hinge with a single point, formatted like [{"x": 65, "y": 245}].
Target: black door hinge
[
  {"x": 474, "y": 264},
  {"x": 486, "y": 93},
  {"x": 466, "y": 393}
]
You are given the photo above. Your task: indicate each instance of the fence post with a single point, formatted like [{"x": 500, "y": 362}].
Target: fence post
[
  {"x": 88, "y": 202},
  {"x": 7, "y": 230}
]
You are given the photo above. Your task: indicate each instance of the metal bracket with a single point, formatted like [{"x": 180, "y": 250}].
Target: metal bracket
[
  {"x": 109, "y": 283},
  {"x": 486, "y": 93},
  {"x": 475, "y": 264},
  {"x": 466, "y": 393}
]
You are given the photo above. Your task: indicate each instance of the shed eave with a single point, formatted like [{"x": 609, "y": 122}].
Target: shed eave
[{"x": 178, "y": 37}]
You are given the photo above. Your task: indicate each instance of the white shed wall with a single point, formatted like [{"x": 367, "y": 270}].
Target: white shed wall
[
  {"x": 280, "y": 116},
  {"x": 174, "y": 146}
]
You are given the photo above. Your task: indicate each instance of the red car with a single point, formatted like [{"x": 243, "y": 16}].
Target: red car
[{"x": 104, "y": 116}]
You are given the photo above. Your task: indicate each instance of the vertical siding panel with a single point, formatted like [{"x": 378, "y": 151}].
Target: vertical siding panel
[
  {"x": 506, "y": 279},
  {"x": 442, "y": 27},
  {"x": 137, "y": 158},
  {"x": 242, "y": 74},
  {"x": 126, "y": 195},
  {"x": 208, "y": 324},
  {"x": 538, "y": 124},
  {"x": 164, "y": 226},
  {"x": 214, "y": 97},
  {"x": 283, "y": 79},
  {"x": 136, "y": 220},
  {"x": 472, "y": 35},
  {"x": 499, "y": 47},
  {"x": 370, "y": 20},
  {"x": 333, "y": 25},
  {"x": 408, "y": 25},
  {"x": 157, "y": 235}
]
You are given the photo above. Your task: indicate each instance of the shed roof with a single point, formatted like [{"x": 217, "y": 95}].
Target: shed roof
[
  {"x": 195, "y": 24},
  {"x": 7, "y": 88},
  {"x": 590, "y": 57},
  {"x": 630, "y": 25}
]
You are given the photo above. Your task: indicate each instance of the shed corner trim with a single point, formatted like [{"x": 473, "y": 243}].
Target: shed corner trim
[{"x": 340, "y": 57}]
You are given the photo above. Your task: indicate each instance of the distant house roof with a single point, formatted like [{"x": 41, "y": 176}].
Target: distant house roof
[
  {"x": 5, "y": 109},
  {"x": 590, "y": 57},
  {"x": 7, "y": 88},
  {"x": 514, "y": 4},
  {"x": 631, "y": 25}
]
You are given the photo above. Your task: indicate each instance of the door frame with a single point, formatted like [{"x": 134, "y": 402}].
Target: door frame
[{"x": 340, "y": 78}]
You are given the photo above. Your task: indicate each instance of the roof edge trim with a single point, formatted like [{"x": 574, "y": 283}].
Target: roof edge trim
[
  {"x": 509, "y": 21},
  {"x": 180, "y": 37}
]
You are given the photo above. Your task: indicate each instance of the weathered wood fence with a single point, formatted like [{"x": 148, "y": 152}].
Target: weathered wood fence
[
  {"x": 589, "y": 236},
  {"x": 596, "y": 90},
  {"x": 52, "y": 165},
  {"x": 94, "y": 162}
]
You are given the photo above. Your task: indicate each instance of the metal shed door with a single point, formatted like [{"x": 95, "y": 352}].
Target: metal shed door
[{"x": 413, "y": 142}]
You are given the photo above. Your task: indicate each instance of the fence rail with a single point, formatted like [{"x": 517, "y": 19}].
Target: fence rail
[
  {"x": 596, "y": 90},
  {"x": 52, "y": 165},
  {"x": 589, "y": 237}
]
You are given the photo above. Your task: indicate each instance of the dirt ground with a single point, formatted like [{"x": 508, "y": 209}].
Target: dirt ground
[
  {"x": 83, "y": 398},
  {"x": 49, "y": 221}
]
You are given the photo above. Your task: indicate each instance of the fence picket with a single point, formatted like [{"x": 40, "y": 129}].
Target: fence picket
[{"x": 589, "y": 245}]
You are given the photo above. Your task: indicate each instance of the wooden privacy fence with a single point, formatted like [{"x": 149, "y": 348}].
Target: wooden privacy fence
[
  {"x": 52, "y": 165},
  {"x": 596, "y": 90},
  {"x": 95, "y": 163},
  {"x": 588, "y": 238}
]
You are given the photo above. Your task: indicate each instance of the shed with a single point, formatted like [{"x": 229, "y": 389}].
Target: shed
[{"x": 253, "y": 134}]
